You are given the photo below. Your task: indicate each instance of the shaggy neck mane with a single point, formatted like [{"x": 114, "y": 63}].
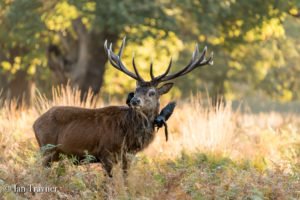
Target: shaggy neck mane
[{"x": 141, "y": 133}]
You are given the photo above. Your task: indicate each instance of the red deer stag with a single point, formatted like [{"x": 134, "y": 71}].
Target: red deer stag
[{"x": 109, "y": 133}]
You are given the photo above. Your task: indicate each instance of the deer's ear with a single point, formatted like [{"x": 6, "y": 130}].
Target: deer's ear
[{"x": 165, "y": 88}]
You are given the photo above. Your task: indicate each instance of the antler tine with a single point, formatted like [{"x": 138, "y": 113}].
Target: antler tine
[
  {"x": 160, "y": 77},
  {"x": 122, "y": 47},
  {"x": 195, "y": 53},
  {"x": 194, "y": 56},
  {"x": 211, "y": 61},
  {"x": 194, "y": 63},
  {"x": 116, "y": 62},
  {"x": 197, "y": 63},
  {"x": 135, "y": 69},
  {"x": 151, "y": 70},
  {"x": 202, "y": 57},
  {"x": 105, "y": 46},
  {"x": 201, "y": 63},
  {"x": 111, "y": 60}
]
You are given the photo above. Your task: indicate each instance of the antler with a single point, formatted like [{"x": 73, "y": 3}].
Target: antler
[
  {"x": 195, "y": 62},
  {"x": 115, "y": 60}
]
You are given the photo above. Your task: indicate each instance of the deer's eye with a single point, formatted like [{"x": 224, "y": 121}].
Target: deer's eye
[{"x": 151, "y": 93}]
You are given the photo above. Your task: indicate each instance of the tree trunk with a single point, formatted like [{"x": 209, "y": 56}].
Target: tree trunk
[
  {"x": 80, "y": 60},
  {"x": 18, "y": 86},
  {"x": 19, "y": 89}
]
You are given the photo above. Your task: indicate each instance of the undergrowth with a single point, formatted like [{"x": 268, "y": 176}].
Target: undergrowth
[{"x": 212, "y": 153}]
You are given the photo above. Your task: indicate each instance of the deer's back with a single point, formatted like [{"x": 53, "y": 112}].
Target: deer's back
[{"x": 96, "y": 130}]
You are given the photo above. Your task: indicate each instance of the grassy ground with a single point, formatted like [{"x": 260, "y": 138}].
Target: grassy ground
[{"x": 211, "y": 154}]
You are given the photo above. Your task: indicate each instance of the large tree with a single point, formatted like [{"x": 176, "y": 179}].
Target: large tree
[
  {"x": 71, "y": 35},
  {"x": 78, "y": 55}
]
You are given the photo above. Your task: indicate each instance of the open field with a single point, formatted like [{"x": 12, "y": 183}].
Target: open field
[{"x": 211, "y": 154}]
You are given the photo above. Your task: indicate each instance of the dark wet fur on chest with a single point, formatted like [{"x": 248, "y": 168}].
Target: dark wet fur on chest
[{"x": 141, "y": 133}]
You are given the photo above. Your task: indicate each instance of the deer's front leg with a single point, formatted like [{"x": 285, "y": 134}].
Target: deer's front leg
[
  {"x": 125, "y": 164},
  {"x": 107, "y": 164}
]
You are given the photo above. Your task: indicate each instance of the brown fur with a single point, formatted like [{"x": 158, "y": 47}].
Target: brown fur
[
  {"x": 110, "y": 132},
  {"x": 105, "y": 133}
]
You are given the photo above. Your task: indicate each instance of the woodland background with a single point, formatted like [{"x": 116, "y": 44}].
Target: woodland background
[
  {"x": 256, "y": 46},
  {"x": 213, "y": 152}
]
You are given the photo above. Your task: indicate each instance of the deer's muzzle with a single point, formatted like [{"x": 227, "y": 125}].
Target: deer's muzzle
[{"x": 135, "y": 102}]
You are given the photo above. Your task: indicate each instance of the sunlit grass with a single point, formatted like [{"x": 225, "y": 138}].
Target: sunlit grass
[{"x": 211, "y": 153}]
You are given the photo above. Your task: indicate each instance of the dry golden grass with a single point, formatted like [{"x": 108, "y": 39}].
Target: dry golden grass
[{"x": 211, "y": 154}]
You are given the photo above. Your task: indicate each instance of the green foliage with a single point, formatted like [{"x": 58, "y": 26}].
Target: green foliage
[
  {"x": 114, "y": 16},
  {"x": 255, "y": 42},
  {"x": 88, "y": 158},
  {"x": 48, "y": 147}
]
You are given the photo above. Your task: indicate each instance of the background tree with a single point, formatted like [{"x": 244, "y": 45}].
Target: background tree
[{"x": 255, "y": 44}]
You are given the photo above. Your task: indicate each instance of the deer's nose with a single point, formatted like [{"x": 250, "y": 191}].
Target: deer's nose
[{"x": 135, "y": 101}]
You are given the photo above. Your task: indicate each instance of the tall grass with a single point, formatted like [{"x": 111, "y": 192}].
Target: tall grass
[
  {"x": 212, "y": 152},
  {"x": 65, "y": 96},
  {"x": 195, "y": 127}
]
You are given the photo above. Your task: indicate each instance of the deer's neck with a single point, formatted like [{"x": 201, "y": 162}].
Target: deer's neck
[
  {"x": 141, "y": 133},
  {"x": 151, "y": 114},
  {"x": 145, "y": 118}
]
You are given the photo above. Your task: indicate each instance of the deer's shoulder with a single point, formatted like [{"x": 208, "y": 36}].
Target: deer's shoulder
[{"x": 69, "y": 113}]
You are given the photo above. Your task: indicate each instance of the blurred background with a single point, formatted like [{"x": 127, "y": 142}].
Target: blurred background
[
  {"x": 213, "y": 152},
  {"x": 48, "y": 43}
]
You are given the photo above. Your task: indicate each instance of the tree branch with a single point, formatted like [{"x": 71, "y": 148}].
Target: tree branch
[{"x": 80, "y": 67}]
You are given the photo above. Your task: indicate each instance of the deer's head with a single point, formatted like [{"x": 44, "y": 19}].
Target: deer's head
[{"x": 147, "y": 93}]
